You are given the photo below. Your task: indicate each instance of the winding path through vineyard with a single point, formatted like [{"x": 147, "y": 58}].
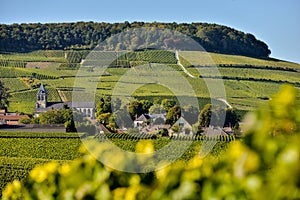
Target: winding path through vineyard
[
  {"x": 226, "y": 102},
  {"x": 182, "y": 67}
]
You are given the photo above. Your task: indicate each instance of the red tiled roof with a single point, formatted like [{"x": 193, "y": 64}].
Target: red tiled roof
[{"x": 12, "y": 117}]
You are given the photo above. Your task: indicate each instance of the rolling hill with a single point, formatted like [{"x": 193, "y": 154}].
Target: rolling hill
[
  {"x": 86, "y": 35},
  {"x": 248, "y": 81}
]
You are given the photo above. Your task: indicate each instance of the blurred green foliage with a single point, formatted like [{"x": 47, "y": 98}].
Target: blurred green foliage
[{"x": 264, "y": 165}]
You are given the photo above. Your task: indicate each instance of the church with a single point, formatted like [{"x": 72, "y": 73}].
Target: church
[{"x": 42, "y": 105}]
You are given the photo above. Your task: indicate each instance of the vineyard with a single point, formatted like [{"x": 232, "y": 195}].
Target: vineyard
[
  {"x": 132, "y": 59},
  {"x": 17, "y": 168},
  {"x": 145, "y": 136},
  {"x": 248, "y": 81},
  {"x": 209, "y": 59},
  {"x": 129, "y": 142},
  {"x": 8, "y": 72},
  {"x": 254, "y": 167},
  {"x": 36, "y": 56},
  {"x": 38, "y": 135},
  {"x": 20, "y": 152},
  {"x": 46, "y": 148},
  {"x": 14, "y": 84},
  {"x": 247, "y": 148},
  {"x": 12, "y": 63}
]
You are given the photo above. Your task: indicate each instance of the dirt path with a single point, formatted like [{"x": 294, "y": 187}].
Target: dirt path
[
  {"x": 62, "y": 96},
  {"x": 182, "y": 67},
  {"x": 226, "y": 102}
]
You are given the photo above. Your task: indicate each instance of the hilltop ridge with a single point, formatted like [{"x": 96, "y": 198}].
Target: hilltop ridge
[{"x": 86, "y": 35}]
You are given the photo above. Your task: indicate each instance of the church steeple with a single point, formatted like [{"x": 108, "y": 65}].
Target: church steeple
[{"x": 42, "y": 96}]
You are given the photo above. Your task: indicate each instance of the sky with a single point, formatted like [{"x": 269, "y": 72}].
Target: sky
[{"x": 276, "y": 22}]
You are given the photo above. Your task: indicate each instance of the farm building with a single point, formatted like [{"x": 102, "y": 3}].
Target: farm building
[{"x": 10, "y": 118}]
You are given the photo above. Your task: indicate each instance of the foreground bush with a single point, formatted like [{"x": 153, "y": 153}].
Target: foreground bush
[{"x": 266, "y": 165}]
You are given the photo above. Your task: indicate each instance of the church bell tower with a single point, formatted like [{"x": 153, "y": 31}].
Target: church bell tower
[{"x": 41, "y": 97}]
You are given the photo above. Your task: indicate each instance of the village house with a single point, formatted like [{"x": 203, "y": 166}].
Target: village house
[
  {"x": 183, "y": 128},
  {"x": 153, "y": 123},
  {"x": 154, "y": 119},
  {"x": 10, "y": 118}
]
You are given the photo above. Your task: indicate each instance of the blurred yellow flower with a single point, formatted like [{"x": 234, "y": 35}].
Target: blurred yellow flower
[
  {"x": 51, "y": 167},
  {"x": 39, "y": 174},
  {"x": 65, "y": 169},
  {"x": 144, "y": 146},
  {"x": 8, "y": 191}
]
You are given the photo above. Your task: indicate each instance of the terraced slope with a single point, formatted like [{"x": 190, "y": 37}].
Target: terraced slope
[{"x": 248, "y": 81}]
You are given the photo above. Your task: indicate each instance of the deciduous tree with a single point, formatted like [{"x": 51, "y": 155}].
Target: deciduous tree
[
  {"x": 3, "y": 96},
  {"x": 173, "y": 115}
]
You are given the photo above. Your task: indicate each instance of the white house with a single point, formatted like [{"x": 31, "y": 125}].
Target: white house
[
  {"x": 152, "y": 119},
  {"x": 184, "y": 128}
]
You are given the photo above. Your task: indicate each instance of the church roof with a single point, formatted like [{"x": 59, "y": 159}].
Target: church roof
[
  {"x": 53, "y": 106},
  {"x": 59, "y": 105},
  {"x": 75, "y": 104},
  {"x": 42, "y": 89}
]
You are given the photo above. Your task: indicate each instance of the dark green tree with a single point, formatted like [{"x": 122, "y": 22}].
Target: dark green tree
[
  {"x": 232, "y": 119},
  {"x": 135, "y": 109},
  {"x": 205, "y": 116},
  {"x": 173, "y": 115},
  {"x": 52, "y": 117},
  {"x": 146, "y": 104},
  {"x": 4, "y": 95},
  {"x": 104, "y": 106},
  {"x": 167, "y": 104},
  {"x": 156, "y": 109},
  {"x": 221, "y": 116},
  {"x": 70, "y": 126},
  {"x": 104, "y": 118}
]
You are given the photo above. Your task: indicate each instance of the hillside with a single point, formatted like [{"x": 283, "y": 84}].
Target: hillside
[
  {"x": 248, "y": 81},
  {"x": 86, "y": 35}
]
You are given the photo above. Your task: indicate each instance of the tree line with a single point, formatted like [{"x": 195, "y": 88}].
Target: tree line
[
  {"x": 124, "y": 116},
  {"x": 86, "y": 35}
]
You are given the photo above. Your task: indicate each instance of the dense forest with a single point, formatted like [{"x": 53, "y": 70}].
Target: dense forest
[{"x": 86, "y": 35}]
